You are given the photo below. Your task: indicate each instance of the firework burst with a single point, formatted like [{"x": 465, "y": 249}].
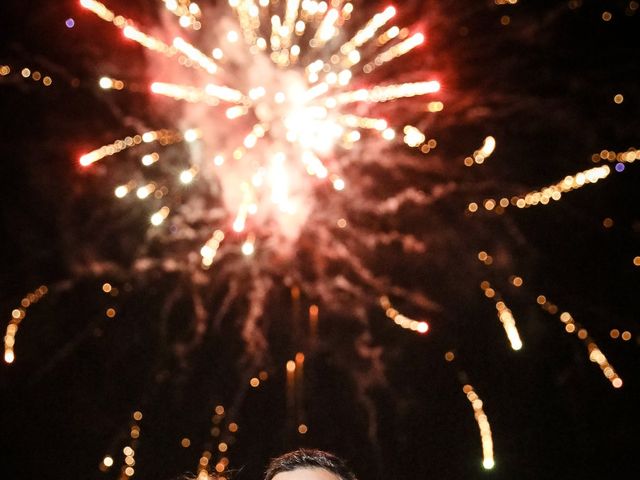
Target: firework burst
[{"x": 275, "y": 127}]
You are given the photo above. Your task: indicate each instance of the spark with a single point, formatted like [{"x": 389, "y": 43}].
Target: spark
[
  {"x": 196, "y": 55},
  {"x": 573, "y": 327},
  {"x": 107, "y": 83},
  {"x": 25, "y": 73},
  {"x": 188, "y": 12},
  {"x": 504, "y": 314},
  {"x": 158, "y": 217},
  {"x": 628, "y": 156},
  {"x": 164, "y": 137},
  {"x": 18, "y": 314},
  {"x": 486, "y": 438},
  {"x": 402, "y": 320},
  {"x": 552, "y": 192},
  {"x": 484, "y": 152}
]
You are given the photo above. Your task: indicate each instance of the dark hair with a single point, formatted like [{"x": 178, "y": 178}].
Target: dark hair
[
  {"x": 192, "y": 476},
  {"x": 307, "y": 458}
]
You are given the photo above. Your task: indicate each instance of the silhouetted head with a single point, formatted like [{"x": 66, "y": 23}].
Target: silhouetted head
[{"x": 306, "y": 464}]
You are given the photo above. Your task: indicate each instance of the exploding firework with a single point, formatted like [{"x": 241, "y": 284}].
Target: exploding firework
[
  {"x": 275, "y": 131},
  {"x": 278, "y": 157}
]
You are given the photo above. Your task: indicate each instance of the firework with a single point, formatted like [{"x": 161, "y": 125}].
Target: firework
[
  {"x": 287, "y": 148},
  {"x": 291, "y": 117},
  {"x": 274, "y": 127}
]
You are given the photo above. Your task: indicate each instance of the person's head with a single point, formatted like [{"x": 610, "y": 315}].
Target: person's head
[{"x": 306, "y": 464}]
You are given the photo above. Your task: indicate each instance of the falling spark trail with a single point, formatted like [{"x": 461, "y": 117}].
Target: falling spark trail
[{"x": 488, "y": 461}]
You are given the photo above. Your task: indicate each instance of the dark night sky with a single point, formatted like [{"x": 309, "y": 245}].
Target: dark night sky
[{"x": 543, "y": 85}]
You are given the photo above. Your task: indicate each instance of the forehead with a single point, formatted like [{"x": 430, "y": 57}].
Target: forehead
[{"x": 306, "y": 474}]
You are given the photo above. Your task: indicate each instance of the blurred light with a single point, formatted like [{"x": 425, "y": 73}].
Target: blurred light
[
  {"x": 9, "y": 356},
  {"x": 191, "y": 135},
  {"x": 291, "y": 366},
  {"x": 150, "y": 159},
  {"x": 248, "y": 248},
  {"x": 483, "y": 424},
  {"x": 595, "y": 354},
  {"x": 187, "y": 176},
  {"x": 105, "y": 83},
  {"x": 121, "y": 191},
  {"x": 158, "y": 217},
  {"x": 402, "y": 320},
  {"x": 388, "y": 134}
]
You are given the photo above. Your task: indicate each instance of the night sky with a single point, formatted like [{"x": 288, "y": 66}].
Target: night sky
[{"x": 556, "y": 84}]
